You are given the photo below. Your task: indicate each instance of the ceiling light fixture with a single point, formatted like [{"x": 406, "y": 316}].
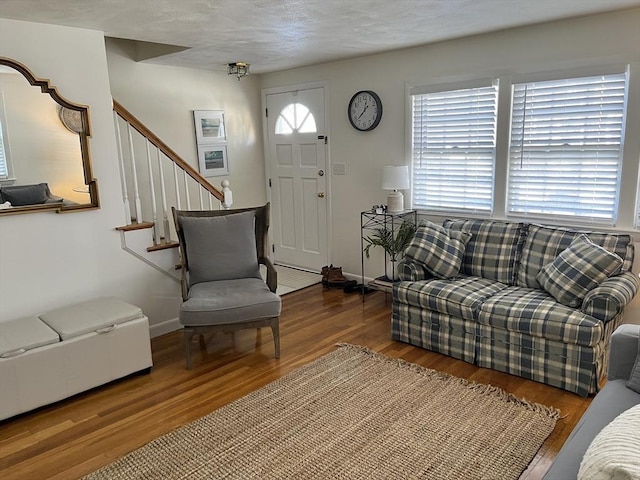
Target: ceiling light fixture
[{"x": 239, "y": 69}]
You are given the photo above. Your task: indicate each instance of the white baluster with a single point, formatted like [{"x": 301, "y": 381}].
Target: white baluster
[
  {"x": 175, "y": 181},
  {"x": 186, "y": 189},
  {"x": 201, "y": 198},
  {"x": 134, "y": 172},
  {"x": 123, "y": 177},
  {"x": 154, "y": 209},
  {"x": 163, "y": 195},
  {"x": 228, "y": 195}
]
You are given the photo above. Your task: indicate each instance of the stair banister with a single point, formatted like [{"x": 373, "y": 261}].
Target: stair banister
[{"x": 165, "y": 149}]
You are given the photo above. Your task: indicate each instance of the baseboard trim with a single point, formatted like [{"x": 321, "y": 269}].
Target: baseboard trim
[{"x": 164, "y": 327}]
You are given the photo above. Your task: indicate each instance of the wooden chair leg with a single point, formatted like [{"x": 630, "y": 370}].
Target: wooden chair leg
[
  {"x": 188, "y": 340},
  {"x": 275, "y": 328}
]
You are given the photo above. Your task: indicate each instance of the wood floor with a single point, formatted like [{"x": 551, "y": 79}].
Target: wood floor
[{"x": 79, "y": 435}]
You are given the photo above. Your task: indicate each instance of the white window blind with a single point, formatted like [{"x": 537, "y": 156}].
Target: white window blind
[
  {"x": 4, "y": 169},
  {"x": 565, "y": 151},
  {"x": 453, "y": 149},
  {"x": 637, "y": 224}
]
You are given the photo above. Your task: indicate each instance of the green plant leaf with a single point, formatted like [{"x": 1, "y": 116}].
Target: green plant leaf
[{"x": 383, "y": 237}]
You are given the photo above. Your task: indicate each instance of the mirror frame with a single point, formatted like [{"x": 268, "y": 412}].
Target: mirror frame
[{"x": 89, "y": 180}]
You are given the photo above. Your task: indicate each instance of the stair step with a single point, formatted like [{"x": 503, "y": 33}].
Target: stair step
[
  {"x": 163, "y": 246},
  {"x": 135, "y": 226}
]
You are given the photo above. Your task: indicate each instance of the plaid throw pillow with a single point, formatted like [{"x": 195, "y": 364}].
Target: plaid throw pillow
[
  {"x": 439, "y": 249},
  {"x": 577, "y": 270}
]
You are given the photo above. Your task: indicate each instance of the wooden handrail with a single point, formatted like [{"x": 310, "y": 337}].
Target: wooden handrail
[{"x": 166, "y": 150}]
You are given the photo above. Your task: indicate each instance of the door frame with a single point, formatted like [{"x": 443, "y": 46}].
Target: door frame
[{"x": 265, "y": 145}]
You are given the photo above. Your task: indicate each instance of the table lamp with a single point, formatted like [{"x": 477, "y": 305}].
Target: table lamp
[{"x": 395, "y": 178}]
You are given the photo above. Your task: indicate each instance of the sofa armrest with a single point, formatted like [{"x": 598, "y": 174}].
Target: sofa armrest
[
  {"x": 624, "y": 348},
  {"x": 412, "y": 271},
  {"x": 610, "y": 297}
]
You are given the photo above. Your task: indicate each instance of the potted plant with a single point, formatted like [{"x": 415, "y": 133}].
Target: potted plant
[{"x": 394, "y": 247}]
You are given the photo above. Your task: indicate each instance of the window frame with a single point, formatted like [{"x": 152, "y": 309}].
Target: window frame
[
  {"x": 558, "y": 217},
  {"x": 628, "y": 192},
  {"x": 446, "y": 88}
]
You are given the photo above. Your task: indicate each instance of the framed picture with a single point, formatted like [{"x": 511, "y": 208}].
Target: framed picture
[
  {"x": 212, "y": 160},
  {"x": 209, "y": 126}
]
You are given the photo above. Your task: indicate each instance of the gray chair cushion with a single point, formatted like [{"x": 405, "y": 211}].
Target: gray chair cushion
[
  {"x": 229, "y": 302},
  {"x": 221, "y": 248}
]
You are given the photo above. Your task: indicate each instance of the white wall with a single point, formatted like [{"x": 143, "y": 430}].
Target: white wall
[
  {"x": 599, "y": 40},
  {"x": 49, "y": 260},
  {"x": 164, "y": 98}
]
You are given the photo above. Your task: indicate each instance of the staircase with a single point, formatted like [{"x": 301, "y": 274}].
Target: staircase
[{"x": 154, "y": 179}]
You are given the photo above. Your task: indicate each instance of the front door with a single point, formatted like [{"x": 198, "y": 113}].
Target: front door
[{"x": 298, "y": 178}]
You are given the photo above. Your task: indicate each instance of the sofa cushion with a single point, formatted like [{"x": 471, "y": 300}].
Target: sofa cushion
[
  {"x": 536, "y": 313},
  {"x": 544, "y": 244},
  {"x": 460, "y": 297},
  {"x": 21, "y": 195},
  {"x": 440, "y": 250},
  {"x": 494, "y": 249},
  {"x": 577, "y": 270}
]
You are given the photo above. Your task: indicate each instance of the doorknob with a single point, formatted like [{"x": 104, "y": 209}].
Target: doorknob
[
  {"x": 321, "y": 194},
  {"x": 321, "y": 173}
]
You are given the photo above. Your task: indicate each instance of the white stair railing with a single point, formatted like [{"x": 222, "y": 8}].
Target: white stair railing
[{"x": 144, "y": 180}]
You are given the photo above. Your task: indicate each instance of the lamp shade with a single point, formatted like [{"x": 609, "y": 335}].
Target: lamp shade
[{"x": 395, "y": 178}]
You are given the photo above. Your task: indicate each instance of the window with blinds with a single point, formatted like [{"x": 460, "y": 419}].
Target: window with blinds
[
  {"x": 453, "y": 149},
  {"x": 565, "y": 150}
]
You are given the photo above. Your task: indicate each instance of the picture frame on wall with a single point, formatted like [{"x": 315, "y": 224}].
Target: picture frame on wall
[
  {"x": 210, "y": 127},
  {"x": 213, "y": 160}
]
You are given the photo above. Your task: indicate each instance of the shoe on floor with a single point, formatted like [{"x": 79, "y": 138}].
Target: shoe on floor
[
  {"x": 334, "y": 277},
  {"x": 351, "y": 286}
]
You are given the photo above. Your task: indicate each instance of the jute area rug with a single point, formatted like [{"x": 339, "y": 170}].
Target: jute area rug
[{"x": 352, "y": 414}]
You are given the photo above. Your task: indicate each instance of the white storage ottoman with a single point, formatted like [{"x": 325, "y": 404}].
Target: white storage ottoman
[{"x": 69, "y": 350}]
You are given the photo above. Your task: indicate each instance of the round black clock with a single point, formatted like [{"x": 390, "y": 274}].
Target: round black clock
[{"x": 365, "y": 110}]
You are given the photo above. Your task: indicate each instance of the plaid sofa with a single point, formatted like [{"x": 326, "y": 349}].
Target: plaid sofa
[{"x": 495, "y": 314}]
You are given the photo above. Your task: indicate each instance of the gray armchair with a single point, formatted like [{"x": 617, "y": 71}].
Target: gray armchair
[{"x": 222, "y": 289}]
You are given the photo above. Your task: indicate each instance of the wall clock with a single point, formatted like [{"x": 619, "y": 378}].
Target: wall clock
[{"x": 365, "y": 110}]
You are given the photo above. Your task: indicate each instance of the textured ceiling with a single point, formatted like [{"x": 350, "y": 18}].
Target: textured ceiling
[{"x": 276, "y": 35}]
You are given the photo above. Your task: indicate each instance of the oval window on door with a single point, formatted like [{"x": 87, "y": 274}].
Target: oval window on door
[{"x": 295, "y": 118}]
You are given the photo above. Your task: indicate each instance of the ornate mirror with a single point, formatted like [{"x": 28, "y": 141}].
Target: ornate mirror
[{"x": 44, "y": 149}]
